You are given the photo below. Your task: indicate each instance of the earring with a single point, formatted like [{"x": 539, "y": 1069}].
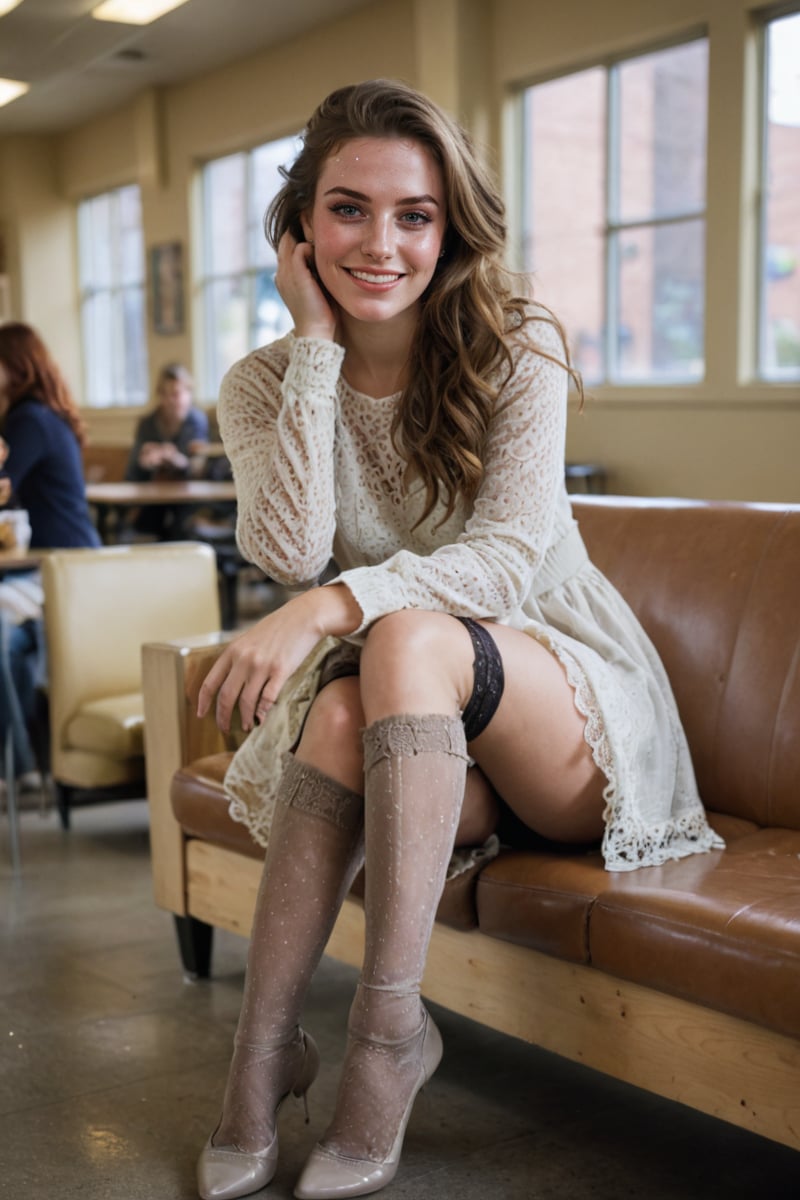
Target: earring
[{"x": 442, "y": 254}]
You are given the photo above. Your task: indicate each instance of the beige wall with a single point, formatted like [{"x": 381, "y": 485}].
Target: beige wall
[
  {"x": 39, "y": 237},
  {"x": 728, "y": 437}
]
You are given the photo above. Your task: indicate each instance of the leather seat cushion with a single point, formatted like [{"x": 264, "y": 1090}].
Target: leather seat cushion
[
  {"x": 542, "y": 895},
  {"x": 112, "y": 726},
  {"x": 720, "y": 929},
  {"x": 201, "y": 806},
  {"x": 541, "y": 899}
]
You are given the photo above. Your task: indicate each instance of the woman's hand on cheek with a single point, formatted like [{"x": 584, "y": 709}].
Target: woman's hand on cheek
[{"x": 313, "y": 312}]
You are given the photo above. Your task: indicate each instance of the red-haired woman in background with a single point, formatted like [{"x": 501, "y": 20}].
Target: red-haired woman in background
[
  {"x": 42, "y": 473},
  {"x": 42, "y": 428}
]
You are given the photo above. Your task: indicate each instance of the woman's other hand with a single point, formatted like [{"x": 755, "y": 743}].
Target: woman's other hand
[
  {"x": 313, "y": 312},
  {"x": 150, "y": 456},
  {"x": 253, "y": 668},
  {"x": 5, "y": 491},
  {"x": 156, "y": 456}
]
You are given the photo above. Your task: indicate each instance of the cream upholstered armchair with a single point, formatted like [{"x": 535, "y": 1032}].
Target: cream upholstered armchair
[{"x": 101, "y": 605}]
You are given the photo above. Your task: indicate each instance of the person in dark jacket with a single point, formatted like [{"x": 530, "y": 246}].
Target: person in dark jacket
[
  {"x": 166, "y": 440},
  {"x": 41, "y": 472},
  {"x": 44, "y": 434}
]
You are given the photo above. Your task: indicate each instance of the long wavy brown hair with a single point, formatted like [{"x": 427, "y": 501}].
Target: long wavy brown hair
[
  {"x": 32, "y": 372},
  {"x": 469, "y": 307}
]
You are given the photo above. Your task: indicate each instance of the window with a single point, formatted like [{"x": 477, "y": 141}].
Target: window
[
  {"x": 112, "y": 288},
  {"x": 779, "y": 225},
  {"x": 241, "y": 306},
  {"x": 613, "y": 212}
]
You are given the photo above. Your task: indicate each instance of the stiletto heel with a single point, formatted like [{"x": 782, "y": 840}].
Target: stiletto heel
[
  {"x": 328, "y": 1175},
  {"x": 225, "y": 1172}
]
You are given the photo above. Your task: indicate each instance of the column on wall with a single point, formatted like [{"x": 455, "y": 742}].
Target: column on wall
[
  {"x": 39, "y": 247},
  {"x": 452, "y": 42}
]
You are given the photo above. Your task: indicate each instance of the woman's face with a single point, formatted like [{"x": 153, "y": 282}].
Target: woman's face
[
  {"x": 175, "y": 399},
  {"x": 377, "y": 223}
]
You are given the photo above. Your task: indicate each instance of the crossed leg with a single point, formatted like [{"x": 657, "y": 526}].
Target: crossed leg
[
  {"x": 419, "y": 798},
  {"x": 331, "y": 741},
  {"x": 416, "y": 678},
  {"x": 533, "y": 752}
]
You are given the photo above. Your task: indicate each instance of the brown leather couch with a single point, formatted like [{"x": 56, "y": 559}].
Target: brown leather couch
[{"x": 682, "y": 979}]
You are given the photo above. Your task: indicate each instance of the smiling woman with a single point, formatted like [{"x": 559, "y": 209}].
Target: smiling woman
[{"x": 467, "y": 660}]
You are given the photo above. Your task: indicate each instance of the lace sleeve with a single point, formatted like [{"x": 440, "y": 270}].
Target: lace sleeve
[
  {"x": 488, "y": 570},
  {"x": 277, "y": 420}
]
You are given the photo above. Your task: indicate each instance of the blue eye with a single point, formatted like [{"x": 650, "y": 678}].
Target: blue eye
[
  {"x": 416, "y": 218},
  {"x": 346, "y": 210}
]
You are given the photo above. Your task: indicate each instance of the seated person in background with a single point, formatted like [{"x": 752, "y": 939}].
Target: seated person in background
[
  {"x": 44, "y": 433},
  {"x": 166, "y": 441},
  {"x": 41, "y": 471}
]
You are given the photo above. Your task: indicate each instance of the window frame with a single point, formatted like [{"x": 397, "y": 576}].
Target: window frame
[
  {"x": 519, "y": 177},
  {"x": 117, "y": 290},
  {"x": 205, "y": 279},
  {"x": 760, "y": 374}
]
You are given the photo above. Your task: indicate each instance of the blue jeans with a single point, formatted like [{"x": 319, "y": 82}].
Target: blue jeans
[{"x": 18, "y": 692}]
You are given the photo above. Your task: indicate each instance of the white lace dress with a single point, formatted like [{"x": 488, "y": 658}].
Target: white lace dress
[{"x": 317, "y": 475}]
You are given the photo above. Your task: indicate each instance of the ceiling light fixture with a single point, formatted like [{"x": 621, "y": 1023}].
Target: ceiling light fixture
[
  {"x": 10, "y": 89},
  {"x": 7, "y": 5},
  {"x": 133, "y": 12}
]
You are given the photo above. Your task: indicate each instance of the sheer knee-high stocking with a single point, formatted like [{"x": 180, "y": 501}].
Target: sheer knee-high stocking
[
  {"x": 315, "y": 850},
  {"x": 415, "y": 769}
]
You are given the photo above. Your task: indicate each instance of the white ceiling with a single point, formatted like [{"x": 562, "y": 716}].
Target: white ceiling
[{"x": 78, "y": 66}]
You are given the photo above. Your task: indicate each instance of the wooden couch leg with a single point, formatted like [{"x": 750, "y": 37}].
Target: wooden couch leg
[{"x": 195, "y": 941}]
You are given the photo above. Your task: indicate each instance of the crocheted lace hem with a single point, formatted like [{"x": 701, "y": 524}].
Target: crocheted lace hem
[
  {"x": 628, "y": 844},
  {"x": 594, "y": 730},
  {"x": 628, "y": 849},
  {"x": 258, "y": 822}
]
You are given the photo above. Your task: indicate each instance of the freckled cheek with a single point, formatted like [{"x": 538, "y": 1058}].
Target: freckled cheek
[
  {"x": 426, "y": 251},
  {"x": 333, "y": 246}
]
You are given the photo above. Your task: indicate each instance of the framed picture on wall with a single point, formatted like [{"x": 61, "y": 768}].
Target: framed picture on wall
[{"x": 166, "y": 268}]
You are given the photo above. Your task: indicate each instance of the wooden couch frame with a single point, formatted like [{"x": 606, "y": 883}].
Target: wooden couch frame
[{"x": 721, "y": 1065}]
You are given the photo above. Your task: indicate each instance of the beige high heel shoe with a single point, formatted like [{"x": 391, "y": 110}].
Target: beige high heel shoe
[
  {"x": 225, "y": 1172},
  {"x": 328, "y": 1175}
]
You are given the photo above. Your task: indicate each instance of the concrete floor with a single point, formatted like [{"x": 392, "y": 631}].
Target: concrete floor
[{"x": 112, "y": 1066}]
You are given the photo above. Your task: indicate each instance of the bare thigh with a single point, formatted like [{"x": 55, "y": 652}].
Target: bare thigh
[{"x": 534, "y": 750}]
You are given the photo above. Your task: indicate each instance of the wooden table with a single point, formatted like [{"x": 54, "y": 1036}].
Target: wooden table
[{"x": 106, "y": 496}]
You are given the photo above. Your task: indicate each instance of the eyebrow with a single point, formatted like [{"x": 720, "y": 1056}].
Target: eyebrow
[{"x": 343, "y": 191}]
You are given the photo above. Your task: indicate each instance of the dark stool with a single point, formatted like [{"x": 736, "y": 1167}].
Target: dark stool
[{"x": 589, "y": 477}]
